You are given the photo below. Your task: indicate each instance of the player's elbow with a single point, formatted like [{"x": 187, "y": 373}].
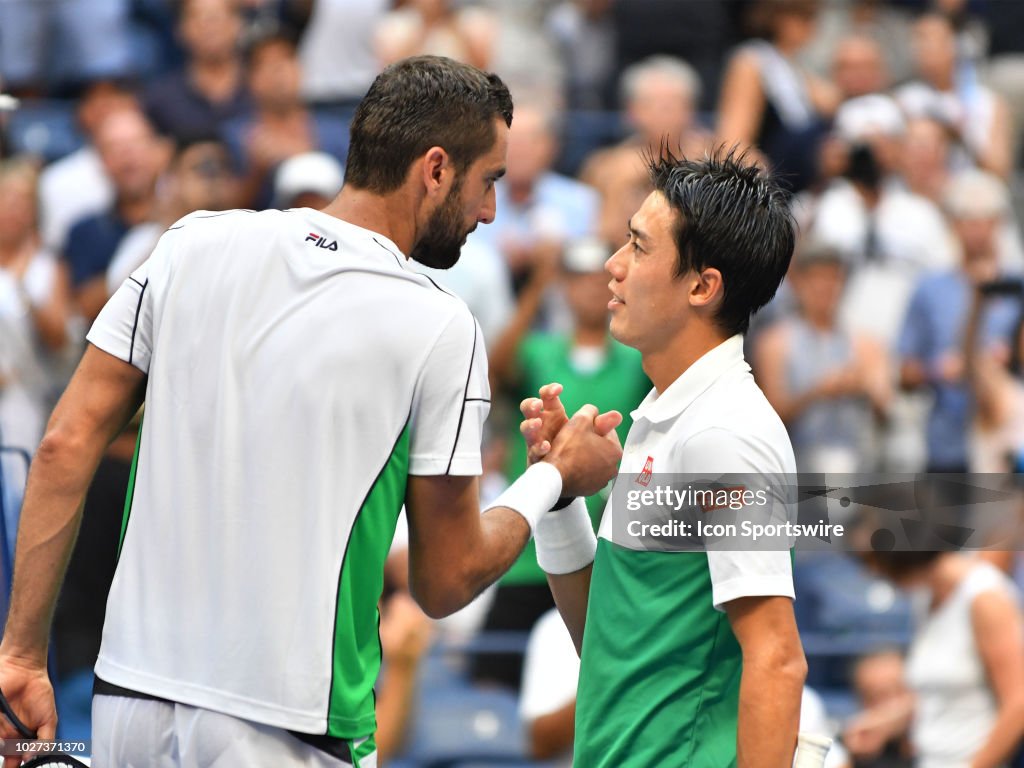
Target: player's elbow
[
  {"x": 782, "y": 661},
  {"x": 58, "y": 447},
  {"x": 438, "y": 598}
]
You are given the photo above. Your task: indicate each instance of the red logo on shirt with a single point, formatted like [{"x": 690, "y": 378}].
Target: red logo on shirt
[{"x": 645, "y": 477}]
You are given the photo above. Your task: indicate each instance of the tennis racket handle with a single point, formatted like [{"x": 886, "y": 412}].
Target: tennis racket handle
[{"x": 811, "y": 750}]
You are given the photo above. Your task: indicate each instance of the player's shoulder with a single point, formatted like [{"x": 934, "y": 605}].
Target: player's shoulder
[
  {"x": 209, "y": 221},
  {"x": 741, "y": 423}
]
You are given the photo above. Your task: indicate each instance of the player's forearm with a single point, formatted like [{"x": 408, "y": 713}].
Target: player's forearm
[
  {"x": 769, "y": 713},
  {"x": 571, "y": 592},
  {"x": 481, "y": 561},
  {"x": 49, "y": 524}
]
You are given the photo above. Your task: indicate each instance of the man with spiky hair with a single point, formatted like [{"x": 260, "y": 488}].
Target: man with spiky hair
[{"x": 691, "y": 655}]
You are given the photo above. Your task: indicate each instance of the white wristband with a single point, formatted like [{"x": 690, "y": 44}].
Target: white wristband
[
  {"x": 565, "y": 539},
  {"x": 535, "y": 492}
]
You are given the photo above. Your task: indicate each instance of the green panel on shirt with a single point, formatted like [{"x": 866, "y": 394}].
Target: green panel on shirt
[
  {"x": 357, "y": 650},
  {"x": 619, "y": 384},
  {"x": 660, "y": 671}
]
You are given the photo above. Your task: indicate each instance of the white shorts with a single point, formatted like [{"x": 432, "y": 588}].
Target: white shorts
[{"x": 144, "y": 733}]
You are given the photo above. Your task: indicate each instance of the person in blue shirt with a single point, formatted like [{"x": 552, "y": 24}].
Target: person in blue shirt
[{"x": 931, "y": 340}]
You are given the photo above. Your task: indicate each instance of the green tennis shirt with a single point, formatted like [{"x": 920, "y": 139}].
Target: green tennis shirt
[
  {"x": 660, "y": 666},
  {"x": 660, "y": 674}
]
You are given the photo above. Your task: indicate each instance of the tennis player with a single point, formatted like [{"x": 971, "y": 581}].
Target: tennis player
[
  {"x": 301, "y": 382},
  {"x": 688, "y": 658}
]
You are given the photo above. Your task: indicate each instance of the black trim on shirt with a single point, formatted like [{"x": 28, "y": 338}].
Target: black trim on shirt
[
  {"x": 378, "y": 242},
  {"x": 465, "y": 396},
  {"x": 135, "y": 325}
]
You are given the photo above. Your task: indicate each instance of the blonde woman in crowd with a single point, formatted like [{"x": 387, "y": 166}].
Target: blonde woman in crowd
[{"x": 34, "y": 311}]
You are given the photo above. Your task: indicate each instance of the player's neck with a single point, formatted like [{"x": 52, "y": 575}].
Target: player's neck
[
  {"x": 665, "y": 365},
  {"x": 378, "y": 213}
]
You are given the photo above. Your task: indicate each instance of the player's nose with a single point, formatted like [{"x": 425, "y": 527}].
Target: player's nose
[{"x": 488, "y": 209}]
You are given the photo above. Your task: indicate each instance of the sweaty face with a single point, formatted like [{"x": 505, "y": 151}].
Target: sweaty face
[{"x": 445, "y": 234}]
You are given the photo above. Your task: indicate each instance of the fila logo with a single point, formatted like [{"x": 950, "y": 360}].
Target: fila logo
[
  {"x": 644, "y": 478},
  {"x": 321, "y": 242}
]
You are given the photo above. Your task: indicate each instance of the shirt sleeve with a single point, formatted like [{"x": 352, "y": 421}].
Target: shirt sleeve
[
  {"x": 124, "y": 327},
  {"x": 451, "y": 402},
  {"x": 737, "y": 571}
]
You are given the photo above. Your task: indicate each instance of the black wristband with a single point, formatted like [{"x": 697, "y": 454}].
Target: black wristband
[{"x": 563, "y": 502}]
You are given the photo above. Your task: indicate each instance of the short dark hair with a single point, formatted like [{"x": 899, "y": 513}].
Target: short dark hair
[
  {"x": 733, "y": 216},
  {"x": 419, "y": 103}
]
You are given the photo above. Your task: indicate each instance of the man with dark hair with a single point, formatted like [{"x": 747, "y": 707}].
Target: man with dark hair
[
  {"x": 301, "y": 382},
  {"x": 691, "y": 654}
]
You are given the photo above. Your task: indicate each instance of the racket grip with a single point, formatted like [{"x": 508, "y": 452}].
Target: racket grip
[{"x": 811, "y": 750}]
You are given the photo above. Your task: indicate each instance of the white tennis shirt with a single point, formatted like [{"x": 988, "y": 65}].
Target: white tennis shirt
[{"x": 298, "y": 372}]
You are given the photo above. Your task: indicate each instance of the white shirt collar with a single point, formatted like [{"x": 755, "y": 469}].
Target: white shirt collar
[{"x": 692, "y": 382}]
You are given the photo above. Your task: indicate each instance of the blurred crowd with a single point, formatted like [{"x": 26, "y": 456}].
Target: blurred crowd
[{"x": 895, "y": 344}]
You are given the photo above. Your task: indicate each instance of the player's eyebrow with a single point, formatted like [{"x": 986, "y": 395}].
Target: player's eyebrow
[{"x": 637, "y": 233}]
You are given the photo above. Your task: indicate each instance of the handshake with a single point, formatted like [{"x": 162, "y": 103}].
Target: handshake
[
  {"x": 569, "y": 458},
  {"x": 584, "y": 449}
]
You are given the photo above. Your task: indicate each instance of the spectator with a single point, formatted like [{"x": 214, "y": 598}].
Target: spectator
[
  {"x": 405, "y": 634},
  {"x": 880, "y": 685},
  {"x": 280, "y": 126},
  {"x": 336, "y": 51},
  {"x": 859, "y": 67},
  {"x": 887, "y": 235},
  {"x": 659, "y": 99},
  {"x": 197, "y": 100},
  {"x": 694, "y": 30},
  {"x": 200, "y": 178},
  {"x": 1005, "y": 68},
  {"x": 996, "y": 440},
  {"x": 584, "y": 31},
  {"x": 63, "y": 42},
  {"x": 34, "y": 311},
  {"x": 133, "y": 158},
  {"x": 768, "y": 101},
  {"x": 826, "y": 383},
  {"x": 547, "y": 702},
  {"x": 926, "y": 171},
  {"x": 977, "y": 118},
  {"x": 879, "y": 20},
  {"x": 434, "y": 27},
  {"x": 309, "y": 180},
  {"x": 538, "y": 210},
  {"x": 965, "y": 665},
  {"x": 930, "y": 344},
  {"x": 77, "y": 185}
]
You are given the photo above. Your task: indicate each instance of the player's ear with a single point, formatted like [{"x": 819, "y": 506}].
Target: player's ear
[
  {"x": 708, "y": 289},
  {"x": 436, "y": 166}
]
